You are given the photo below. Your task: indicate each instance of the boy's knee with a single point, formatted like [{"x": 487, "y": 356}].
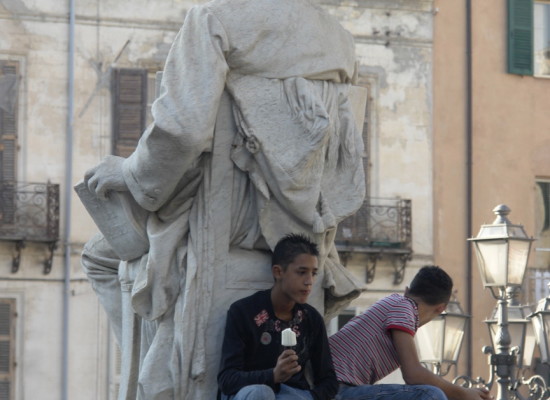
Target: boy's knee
[
  {"x": 255, "y": 392},
  {"x": 433, "y": 393}
]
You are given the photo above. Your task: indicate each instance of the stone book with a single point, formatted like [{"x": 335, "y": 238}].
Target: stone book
[{"x": 120, "y": 219}]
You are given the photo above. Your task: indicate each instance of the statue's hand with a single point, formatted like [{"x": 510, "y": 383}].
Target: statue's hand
[{"x": 106, "y": 176}]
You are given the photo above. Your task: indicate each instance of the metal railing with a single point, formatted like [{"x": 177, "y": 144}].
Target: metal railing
[
  {"x": 29, "y": 211},
  {"x": 381, "y": 223}
]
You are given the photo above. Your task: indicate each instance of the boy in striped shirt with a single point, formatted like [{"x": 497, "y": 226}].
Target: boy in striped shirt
[{"x": 377, "y": 342}]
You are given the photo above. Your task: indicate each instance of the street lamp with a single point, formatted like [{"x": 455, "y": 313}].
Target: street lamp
[
  {"x": 541, "y": 326},
  {"x": 520, "y": 327},
  {"x": 502, "y": 250},
  {"x": 440, "y": 340}
]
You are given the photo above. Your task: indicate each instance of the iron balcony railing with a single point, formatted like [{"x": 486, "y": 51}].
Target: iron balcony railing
[
  {"x": 381, "y": 223},
  {"x": 29, "y": 211}
]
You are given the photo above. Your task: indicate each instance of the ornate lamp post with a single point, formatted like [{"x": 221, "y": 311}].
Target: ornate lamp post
[
  {"x": 541, "y": 326},
  {"x": 440, "y": 340},
  {"x": 502, "y": 250},
  {"x": 520, "y": 327}
]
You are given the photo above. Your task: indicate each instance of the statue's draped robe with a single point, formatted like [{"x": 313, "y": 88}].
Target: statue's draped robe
[{"x": 253, "y": 138}]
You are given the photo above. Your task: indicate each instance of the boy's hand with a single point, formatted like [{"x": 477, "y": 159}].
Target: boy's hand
[
  {"x": 478, "y": 394},
  {"x": 287, "y": 365}
]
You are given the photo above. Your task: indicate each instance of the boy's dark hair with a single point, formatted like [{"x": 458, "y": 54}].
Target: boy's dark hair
[
  {"x": 432, "y": 285},
  {"x": 290, "y": 247}
]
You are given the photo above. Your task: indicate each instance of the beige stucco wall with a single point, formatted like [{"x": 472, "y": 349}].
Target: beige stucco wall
[
  {"x": 36, "y": 34},
  {"x": 394, "y": 48},
  {"x": 511, "y": 144}
]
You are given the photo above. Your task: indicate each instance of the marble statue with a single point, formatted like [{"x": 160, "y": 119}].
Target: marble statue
[{"x": 254, "y": 137}]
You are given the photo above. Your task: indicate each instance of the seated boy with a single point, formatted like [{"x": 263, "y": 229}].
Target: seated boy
[
  {"x": 254, "y": 365},
  {"x": 377, "y": 342}
]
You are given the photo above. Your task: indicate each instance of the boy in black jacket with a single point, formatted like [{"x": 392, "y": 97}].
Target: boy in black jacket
[{"x": 254, "y": 364}]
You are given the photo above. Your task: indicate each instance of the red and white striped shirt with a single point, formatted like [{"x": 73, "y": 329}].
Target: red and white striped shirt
[{"x": 363, "y": 350}]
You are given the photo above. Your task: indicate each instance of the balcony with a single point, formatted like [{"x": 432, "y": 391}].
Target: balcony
[
  {"x": 381, "y": 228},
  {"x": 29, "y": 212}
]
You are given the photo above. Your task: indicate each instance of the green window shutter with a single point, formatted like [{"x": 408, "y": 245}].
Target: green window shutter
[
  {"x": 129, "y": 101},
  {"x": 545, "y": 190},
  {"x": 7, "y": 349},
  {"x": 520, "y": 37}
]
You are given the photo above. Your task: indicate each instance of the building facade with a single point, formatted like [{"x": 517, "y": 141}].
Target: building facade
[
  {"x": 77, "y": 84},
  {"x": 491, "y": 142}
]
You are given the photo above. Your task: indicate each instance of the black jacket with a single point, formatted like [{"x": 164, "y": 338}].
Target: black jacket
[{"x": 252, "y": 344}]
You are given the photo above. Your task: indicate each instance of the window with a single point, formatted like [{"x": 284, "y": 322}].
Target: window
[
  {"x": 340, "y": 320},
  {"x": 364, "y": 82},
  {"x": 9, "y": 73},
  {"x": 133, "y": 93},
  {"x": 129, "y": 102},
  {"x": 536, "y": 285},
  {"x": 153, "y": 82},
  {"x": 541, "y": 26},
  {"x": 542, "y": 38},
  {"x": 9, "y": 79},
  {"x": 520, "y": 37},
  {"x": 345, "y": 316},
  {"x": 7, "y": 349},
  {"x": 529, "y": 37},
  {"x": 542, "y": 226}
]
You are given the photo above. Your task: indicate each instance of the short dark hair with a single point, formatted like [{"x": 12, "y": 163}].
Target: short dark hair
[
  {"x": 432, "y": 285},
  {"x": 290, "y": 247}
]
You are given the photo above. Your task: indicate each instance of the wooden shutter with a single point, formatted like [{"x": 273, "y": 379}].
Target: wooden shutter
[
  {"x": 7, "y": 349},
  {"x": 8, "y": 152},
  {"x": 545, "y": 191},
  {"x": 520, "y": 37},
  {"x": 8, "y": 130},
  {"x": 129, "y": 94}
]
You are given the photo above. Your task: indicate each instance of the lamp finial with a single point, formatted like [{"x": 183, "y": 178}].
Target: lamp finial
[{"x": 501, "y": 211}]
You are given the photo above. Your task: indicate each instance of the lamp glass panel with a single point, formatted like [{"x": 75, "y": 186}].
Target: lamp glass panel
[
  {"x": 517, "y": 260},
  {"x": 545, "y": 338},
  {"x": 517, "y": 333},
  {"x": 493, "y": 333},
  {"x": 530, "y": 342},
  {"x": 492, "y": 260},
  {"x": 454, "y": 332},
  {"x": 429, "y": 340},
  {"x": 493, "y": 231},
  {"x": 517, "y": 330},
  {"x": 538, "y": 328},
  {"x": 516, "y": 231}
]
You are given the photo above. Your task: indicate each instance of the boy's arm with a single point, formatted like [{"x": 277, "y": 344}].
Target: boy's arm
[
  {"x": 232, "y": 376},
  {"x": 415, "y": 374},
  {"x": 325, "y": 384}
]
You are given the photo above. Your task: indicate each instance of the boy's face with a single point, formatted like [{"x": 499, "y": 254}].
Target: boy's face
[
  {"x": 432, "y": 312},
  {"x": 297, "y": 280}
]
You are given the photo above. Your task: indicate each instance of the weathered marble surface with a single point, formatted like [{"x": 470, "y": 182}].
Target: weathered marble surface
[{"x": 254, "y": 137}]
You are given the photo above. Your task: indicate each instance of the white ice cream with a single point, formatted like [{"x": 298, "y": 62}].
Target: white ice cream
[{"x": 288, "y": 338}]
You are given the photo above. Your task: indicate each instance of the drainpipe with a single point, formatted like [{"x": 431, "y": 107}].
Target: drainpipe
[
  {"x": 67, "y": 208},
  {"x": 469, "y": 205}
]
